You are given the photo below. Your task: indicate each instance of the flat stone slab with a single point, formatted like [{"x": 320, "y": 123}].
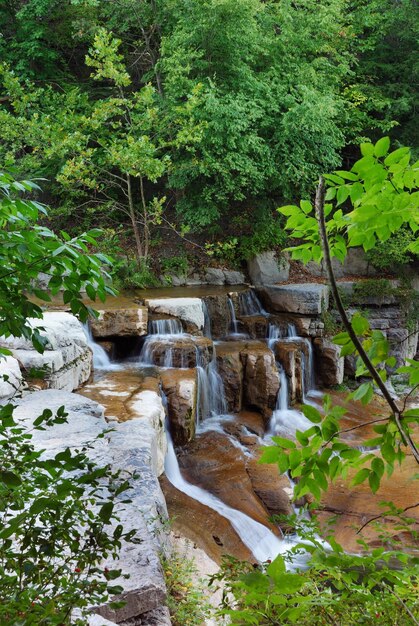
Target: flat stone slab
[
  {"x": 304, "y": 298},
  {"x": 129, "y": 447},
  {"x": 188, "y": 310}
]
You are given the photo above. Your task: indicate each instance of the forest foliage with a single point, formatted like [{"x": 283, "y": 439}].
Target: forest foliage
[{"x": 201, "y": 115}]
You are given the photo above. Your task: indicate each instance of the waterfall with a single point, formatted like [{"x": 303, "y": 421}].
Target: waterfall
[
  {"x": 250, "y": 304},
  {"x": 211, "y": 398},
  {"x": 258, "y": 538},
  {"x": 168, "y": 330},
  {"x": 233, "y": 322},
  {"x": 292, "y": 331},
  {"x": 166, "y": 327},
  {"x": 207, "y": 320},
  {"x": 100, "y": 358},
  {"x": 274, "y": 333}
]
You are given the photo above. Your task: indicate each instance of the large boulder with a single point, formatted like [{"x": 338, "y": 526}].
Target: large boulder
[
  {"x": 233, "y": 277},
  {"x": 219, "y": 315},
  {"x": 128, "y": 395},
  {"x": 188, "y": 310},
  {"x": 266, "y": 269},
  {"x": 124, "y": 322},
  {"x": 330, "y": 365},
  {"x": 304, "y": 298},
  {"x": 355, "y": 264},
  {"x": 10, "y": 378},
  {"x": 214, "y": 276},
  {"x": 124, "y": 448},
  {"x": 180, "y": 388},
  {"x": 67, "y": 360}
]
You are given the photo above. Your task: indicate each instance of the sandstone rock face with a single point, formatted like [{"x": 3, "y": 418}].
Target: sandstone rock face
[
  {"x": 120, "y": 322},
  {"x": 9, "y": 367},
  {"x": 249, "y": 374},
  {"x": 67, "y": 359},
  {"x": 330, "y": 365},
  {"x": 128, "y": 449},
  {"x": 290, "y": 355},
  {"x": 230, "y": 368},
  {"x": 266, "y": 269},
  {"x": 304, "y": 298},
  {"x": 182, "y": 351},
  {"x": 180, "y": 388},
  {"x": 261, "y": 380},
  {"x": 217, "y": 306},
  {"x": 189, "y": 310}
]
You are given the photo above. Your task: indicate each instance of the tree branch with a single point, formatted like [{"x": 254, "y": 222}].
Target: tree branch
[{"x": 319, "y": 207}]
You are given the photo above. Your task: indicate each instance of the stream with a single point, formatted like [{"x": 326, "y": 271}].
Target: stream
[{"x": 211, "y": 406}]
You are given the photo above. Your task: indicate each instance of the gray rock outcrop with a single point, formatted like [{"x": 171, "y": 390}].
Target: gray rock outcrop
[
  {"x": 304, "y": 298},
  {"x": 67, "y": 360},
  {"x": 266, "y": 269},
  {"x": 120, "y": 322}
]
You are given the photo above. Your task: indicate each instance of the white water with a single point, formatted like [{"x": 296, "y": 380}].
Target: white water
[
  {"x": 258, "y": 538},
  {"x": 285, "y": 420},
  {"x": 234, "y": 325},
  {"x": 166, "y": 327},
  {"x": 211, "y": 395},
  {"x": 100, "y": 358},
  {"x": 207, "y": 321},
  {"x": 250, "y": 304}
]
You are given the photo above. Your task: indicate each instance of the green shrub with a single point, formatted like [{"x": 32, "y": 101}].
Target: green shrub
[
  {"x": 58, "y": 522},
  {"x": 131, "y": 274},
  {"x": 187, "y": 603},
  {"x": 392, "y": 254},
  {"x": 177, "y": 265}
]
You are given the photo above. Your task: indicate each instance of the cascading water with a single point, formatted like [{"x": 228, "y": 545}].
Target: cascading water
[
  {"x": 258, "y": 538},
  {"x": 234, "y": 325},
  {"x": 166, "y": 327},
  {"x": 100, "y": 358},
  {"x": 207, "y": 321},
  {"x": 250, "y": 304},
  {"x": 274, "y": 333},
  {"x": 211, "y": 399}
]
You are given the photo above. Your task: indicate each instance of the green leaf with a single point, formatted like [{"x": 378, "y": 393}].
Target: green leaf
[
  {"x": 270, "y": 454},
  {"x": 374, "y": 481},
  {"x": 10, "y": 479},
  {"x": 361, "y": 476},
  {"x": 382, "y": 146},
  {"x": 360, "y": 324},
  {"x": 311, "y": 413},
  {"x": 283, "y": 443},
  {"x": 367, "y": 149}
]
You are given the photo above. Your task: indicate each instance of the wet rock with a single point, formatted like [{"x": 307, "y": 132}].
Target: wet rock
[
  {"x": 266, "y": 269},
  {"x": 188, "y": 310},
  {"x": 10, "y": 378},
  {"x": 329, "y": 363},
  {"x": 120, "y": 322},
  {"x": 261, "y": 379},
  {"x": 67, "y": 359},
  {"x": 305, "y": 298},
  {"x": 230, "y": 368},
  {"x": 214, "y": 463},
  {"x": 219, "y": 537},
  {"x": 108, "y": 346},
  {"x": 270, "y": 486},
  {"x": 180, "y": 388},
  {"x": 290, "y": 355},
  {"x": 354, "y": 506},
  {"x": 234, "y": 278},
  {"x": 214, "y": 276},
  {"x": 256, "y": 326}
]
